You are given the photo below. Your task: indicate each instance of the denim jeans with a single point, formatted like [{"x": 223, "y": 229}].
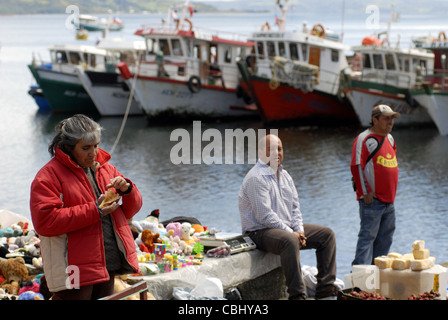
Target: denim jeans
[{"x": 376, "y": 231}]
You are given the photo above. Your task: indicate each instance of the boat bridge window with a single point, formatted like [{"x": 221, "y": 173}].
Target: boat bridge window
[
  {"x": 378, "y": 61},
  {"x": 177, "y": 48},
  {"x": 404, "y": 64},
  {"x": 304, "y": 52},
  {"x": 366, "y": 63},
  {"x": 213, "y": 54},
  {"x": 260, "y": 50},
  {"x": 196, "y": 51},
  {"x": 150, "y": 45},
  {"x": 164, "y": 47},
  {"x": 228, "y": 55},
  {"x": 270, "y": 49},
  {"x": 293, "y": 51},
  {"x": 390, "y": 62},
  {"x": 75, "y": 58},
  {"x": 282, "y": 50},
  {"x": 334, "y": 55},
  {"x": 59, "y": 57}
]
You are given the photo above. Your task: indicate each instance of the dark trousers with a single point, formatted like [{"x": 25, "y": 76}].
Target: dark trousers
[
  {"x": 287, "y": 245},
  {"x": 90, "y": 292}
]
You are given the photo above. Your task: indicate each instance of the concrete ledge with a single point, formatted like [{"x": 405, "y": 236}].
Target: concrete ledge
[{"x": 233, "y": 271}]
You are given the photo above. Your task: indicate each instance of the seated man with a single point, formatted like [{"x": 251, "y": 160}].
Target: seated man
[{"x": 270, "y": 215}]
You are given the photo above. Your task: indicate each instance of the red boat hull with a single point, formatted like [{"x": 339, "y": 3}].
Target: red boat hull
[{"x": 288, "y": 103}]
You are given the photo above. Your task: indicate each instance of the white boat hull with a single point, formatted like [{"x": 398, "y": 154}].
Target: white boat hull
[
  {"x": 363, "y": 101},
  {"x": 110, "y": 99},
  {"x": 437, "y": 106},
  {"x": 173, "y": 99}
]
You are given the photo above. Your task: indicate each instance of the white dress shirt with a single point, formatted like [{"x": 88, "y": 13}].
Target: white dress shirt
[{"x": 267, "y": 202}]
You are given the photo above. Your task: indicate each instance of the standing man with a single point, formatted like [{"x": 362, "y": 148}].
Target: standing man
[
  {"x": 270, "y": 215},
  {"x": 374, "y": 168}
]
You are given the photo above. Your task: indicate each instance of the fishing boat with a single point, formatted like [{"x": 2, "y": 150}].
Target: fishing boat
[
  {"x": 93, "y": 23},
  {"x": 189, "y": 72},
  {"x": 108, "y": 91},
  {"x": 295, "y": 75},
  {"x": 433, "y": 94},
  {"x": 387, "y": 75},
  {"x": 59, "y": 78}
]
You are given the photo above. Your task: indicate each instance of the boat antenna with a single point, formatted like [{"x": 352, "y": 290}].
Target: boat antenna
[{"x": 342, "y": 21}]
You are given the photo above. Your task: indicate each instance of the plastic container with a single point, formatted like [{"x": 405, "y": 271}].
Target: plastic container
[{"x": 400, "y": 284}]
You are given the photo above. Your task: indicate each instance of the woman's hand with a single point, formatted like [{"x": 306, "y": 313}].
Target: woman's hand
[
  {"x": 108, "y": 209},
  {"x": 119, "y": 183}
]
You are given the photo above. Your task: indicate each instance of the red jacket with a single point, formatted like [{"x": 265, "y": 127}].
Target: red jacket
[{"x": 65, "y": 216}]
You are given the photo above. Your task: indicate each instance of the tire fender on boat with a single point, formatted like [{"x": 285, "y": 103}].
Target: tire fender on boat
[
  {"x": 187, "y": 21},
  {"x": 194, "y": 84}
]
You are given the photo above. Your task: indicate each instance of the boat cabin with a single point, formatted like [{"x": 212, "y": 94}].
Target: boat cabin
[
  {"x": 402, "y": 68},
  {"x": 179, "y": 54},
  {"x": 439, "y": 47},
  {"x": 64, "y": 58},
  {"x": 313, "y": 49},
  {"x": 120, "y": 50}
]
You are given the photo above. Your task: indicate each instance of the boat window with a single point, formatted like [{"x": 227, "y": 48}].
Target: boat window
[
  {"x": 164, "y": 47},
  {"x": 228, "y": 55},
  {"x": 390, "y": 63},
  {"x": 260, "y": 50},
  {"x": 334, "y": 55},
  {"x": 92, "y": 61},
  {"x": 60, "y": 57},
  {"x": 406, "y": 65},
  {"x": 282, "y": 49},
  {"x": 366, "y": 63},
  {"x": 239, "y": 53},
  {"x": 423, "y": 66},
  {"x": 293, "y": 51},
  {"x": 304, "y": 52},
  {"x": 196, "y": 51},
  {"x": 378, "y": 61},
  {"x": 213, "y": 54},
  {"x": 150, "y": 46},
  {"x": 270, "y": 49},
  {"x": 177, "y": 48},
  {"x": 75, "y": 58}
]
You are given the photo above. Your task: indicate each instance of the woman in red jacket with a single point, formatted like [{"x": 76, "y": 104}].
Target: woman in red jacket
[{"x": 83, "y": 247}]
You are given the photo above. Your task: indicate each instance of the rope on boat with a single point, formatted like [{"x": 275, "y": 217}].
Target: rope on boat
[{"x": 128, "y": 107}]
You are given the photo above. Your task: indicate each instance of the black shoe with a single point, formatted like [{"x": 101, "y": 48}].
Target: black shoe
[
  {"x": 328, "y": 293},
  {"x": 297, "y": 297}
]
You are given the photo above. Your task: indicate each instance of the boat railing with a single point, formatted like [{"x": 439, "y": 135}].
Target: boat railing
[
  {"x": 438, "y": 80},
  {"x": 199, "y": 32},
  {"x": 398, "y": 79}
]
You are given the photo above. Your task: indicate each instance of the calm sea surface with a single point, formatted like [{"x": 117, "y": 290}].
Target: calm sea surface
[{"x": 317, "y": 158}]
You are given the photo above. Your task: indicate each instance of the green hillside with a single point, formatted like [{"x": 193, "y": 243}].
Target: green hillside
[{"x": 92, "y": 6}]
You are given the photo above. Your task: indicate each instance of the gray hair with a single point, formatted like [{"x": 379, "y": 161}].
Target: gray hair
[{"x": 69, "y": 131}]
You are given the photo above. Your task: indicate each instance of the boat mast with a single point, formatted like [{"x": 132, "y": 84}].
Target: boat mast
[{"x": 283, "y": 8}]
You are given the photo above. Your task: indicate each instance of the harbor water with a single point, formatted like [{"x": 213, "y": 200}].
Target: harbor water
[{"x": 318, "y": 159}]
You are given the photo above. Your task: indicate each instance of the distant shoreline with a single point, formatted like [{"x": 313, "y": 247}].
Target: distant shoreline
[{"x": 137, "y": 13}]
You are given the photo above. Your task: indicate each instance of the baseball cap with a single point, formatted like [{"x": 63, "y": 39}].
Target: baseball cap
[{"x": 384, "y": 110}]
